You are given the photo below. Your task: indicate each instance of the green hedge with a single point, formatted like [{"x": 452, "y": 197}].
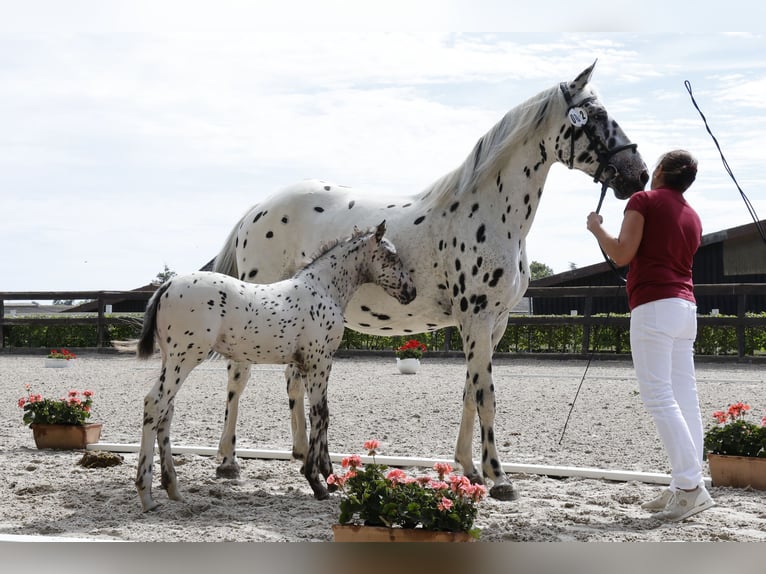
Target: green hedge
[
  {"x": 51, "y": 337},
  {"x": 711, "y": 340}
]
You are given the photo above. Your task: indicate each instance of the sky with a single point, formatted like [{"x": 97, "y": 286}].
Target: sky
[{"x": 134, "y": 135}]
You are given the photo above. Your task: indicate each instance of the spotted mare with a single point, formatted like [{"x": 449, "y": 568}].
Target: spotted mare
[
  {"x": 463, "y": 239},
  {"x": 297, "y": 321}
]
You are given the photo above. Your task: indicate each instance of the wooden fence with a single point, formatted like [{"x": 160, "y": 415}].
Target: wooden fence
[
  {"x": 588, "y": 321},
  {"x": 100, "y": 320}
]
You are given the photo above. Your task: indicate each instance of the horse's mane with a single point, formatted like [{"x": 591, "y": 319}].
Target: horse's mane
[
  {"x": 496, "y": 144},
  {"x": 328, "y": 246}
]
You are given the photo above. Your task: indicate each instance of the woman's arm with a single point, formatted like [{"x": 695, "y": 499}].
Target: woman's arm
[{"x": 621, "y": 249}]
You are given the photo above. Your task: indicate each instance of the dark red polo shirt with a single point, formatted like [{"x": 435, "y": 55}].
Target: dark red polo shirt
[{"x": 662, "y": 267}]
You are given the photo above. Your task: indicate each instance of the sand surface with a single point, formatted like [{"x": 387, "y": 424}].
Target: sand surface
[{"x": 46, "y": 493}]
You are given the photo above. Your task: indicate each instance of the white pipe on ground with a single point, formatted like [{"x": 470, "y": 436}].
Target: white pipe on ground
[{"x": 545, "y": 470}]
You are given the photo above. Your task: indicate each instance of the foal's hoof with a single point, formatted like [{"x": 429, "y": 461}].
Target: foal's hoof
[
  {"x": 227, "y": 472},
  {"x": 504, "y": 491},
  {"x": 152, "y": 505}
]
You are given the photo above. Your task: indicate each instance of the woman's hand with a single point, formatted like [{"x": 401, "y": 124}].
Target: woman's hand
[{"x": 594, "y": 221}]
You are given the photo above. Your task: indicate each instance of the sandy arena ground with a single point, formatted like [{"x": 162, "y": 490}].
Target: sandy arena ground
[{"x": 46, "y": 493}]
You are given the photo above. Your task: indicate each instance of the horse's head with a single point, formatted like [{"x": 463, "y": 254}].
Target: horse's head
[
  {"x": 387, "y": 269},
  {"x": 593, "y": 142}
]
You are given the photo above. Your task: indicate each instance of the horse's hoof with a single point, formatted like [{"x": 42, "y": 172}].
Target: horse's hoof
[
  {"x": 320, "y": 493},
  {"x": 227, "y": 472},
  {"x": 505, "y": 491}
]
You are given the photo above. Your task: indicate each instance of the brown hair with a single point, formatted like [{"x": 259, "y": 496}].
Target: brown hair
[{"x": 679, "y": 169}]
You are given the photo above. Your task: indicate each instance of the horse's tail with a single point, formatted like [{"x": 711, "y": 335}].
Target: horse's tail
[
  {"x": 226, "y": 261},
  {"x": 145, "y": 343}
]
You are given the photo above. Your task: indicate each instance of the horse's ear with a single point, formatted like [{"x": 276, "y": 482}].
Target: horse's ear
[
  {"x": 380, "y": 231},
  {"x": 580, "y": 81}
]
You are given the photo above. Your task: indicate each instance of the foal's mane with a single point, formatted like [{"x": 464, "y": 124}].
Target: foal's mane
[
  {"x": 328, "y": 246},
  {"x": 494, "y": 147}
]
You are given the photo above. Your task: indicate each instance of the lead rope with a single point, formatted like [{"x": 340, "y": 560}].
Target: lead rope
[
  {"x": 612, "y": 264},
  {"x": 749, "y": 206}
]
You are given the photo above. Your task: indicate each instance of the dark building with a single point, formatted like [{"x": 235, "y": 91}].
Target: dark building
[{"x": 736, "y": 255}]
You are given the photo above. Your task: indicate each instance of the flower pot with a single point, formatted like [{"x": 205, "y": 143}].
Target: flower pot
[
  {"x": 66, "y": 436},
  {"x": 408, "y": 366},
  {"x": 356, "y": 533},
  {"x": 57, "y": 363},
  {"x": 737, "y": 471}
]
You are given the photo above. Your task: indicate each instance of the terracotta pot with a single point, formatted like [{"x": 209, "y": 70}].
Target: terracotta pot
[
  {"x": 355, "y": 533},
  {"x": 737, "y": 471},
  {"x": 408, "y": 366},
  {"x": 66, "y": 436}
]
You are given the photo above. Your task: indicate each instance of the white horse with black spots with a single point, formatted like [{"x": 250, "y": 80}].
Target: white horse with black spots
[
  {"x": 297, "y": 321},
  {"x": 463, "y": 239}
]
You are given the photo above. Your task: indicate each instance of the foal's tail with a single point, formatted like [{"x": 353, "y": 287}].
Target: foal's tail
[
  {"x": 145, "y": 343},
  {"x": 226, "y": 261}
]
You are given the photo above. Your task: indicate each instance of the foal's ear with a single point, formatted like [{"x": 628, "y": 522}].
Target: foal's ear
[
  {"x": 580, "y": 81},
  {"x": 380, "y": 231}
]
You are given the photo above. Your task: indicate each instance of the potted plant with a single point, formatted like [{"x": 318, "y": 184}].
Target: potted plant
[
  {"x": 382, "y": 504},
  {"x": 59, "y": 358},
  {"x": 60, "y": 423},
  {"x": 408, "y": 356},
  {"x": 736, "y": 449}
]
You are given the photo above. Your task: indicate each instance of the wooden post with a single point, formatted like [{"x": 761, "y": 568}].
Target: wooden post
[
  {"x": 587, "y": 311},
  {"x": 741, "y": 325},
  {"x": 101, "y": 326}
]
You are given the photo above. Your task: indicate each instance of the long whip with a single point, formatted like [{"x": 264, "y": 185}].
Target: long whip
[{"x": 749, "y": 205}]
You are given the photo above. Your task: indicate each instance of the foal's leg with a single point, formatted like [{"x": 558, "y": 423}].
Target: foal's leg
[
  {"x": 239, "y": 374},
  {"x": 295, "y": 394},
  {"x": 152, "y": 409},
  {"x": 168, "y": 478},
  {"x": 479, "y": 397},
  {"x": 158, "y": 414},
  {"x": 318, "y": 458}
]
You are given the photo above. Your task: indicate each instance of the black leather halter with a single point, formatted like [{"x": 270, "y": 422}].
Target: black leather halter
[{"x": 603, "y": 153}]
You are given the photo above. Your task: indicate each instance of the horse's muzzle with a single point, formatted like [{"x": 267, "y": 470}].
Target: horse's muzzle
[{"x": 406, "y": 296}]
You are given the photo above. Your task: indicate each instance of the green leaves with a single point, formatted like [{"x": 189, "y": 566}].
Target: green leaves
[
  {"x": 71, "y": 410},
  {"x": 737, "y": 438},
  {"x": 375, "y": 496}
]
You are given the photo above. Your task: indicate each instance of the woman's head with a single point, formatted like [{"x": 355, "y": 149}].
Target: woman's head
[{"x": 675, "y": 169}]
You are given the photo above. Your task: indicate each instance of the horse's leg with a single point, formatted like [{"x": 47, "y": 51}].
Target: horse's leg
[
  {"x": 239, "y": 374},
  {"x": 295, "y": 395},
  {"x": 318, "y": 456},
  {"x": 479, "y": 397}
]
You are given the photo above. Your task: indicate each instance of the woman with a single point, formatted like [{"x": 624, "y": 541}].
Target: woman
[{"x": 659, "y": 236}]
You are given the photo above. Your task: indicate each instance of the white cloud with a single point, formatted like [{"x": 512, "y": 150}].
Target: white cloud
[{"x": 142, "y": 142}]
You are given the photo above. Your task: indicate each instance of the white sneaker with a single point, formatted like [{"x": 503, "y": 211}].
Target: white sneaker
[
  {"x": 659, "y": 503},
  {"x": 684, "y": 504}
]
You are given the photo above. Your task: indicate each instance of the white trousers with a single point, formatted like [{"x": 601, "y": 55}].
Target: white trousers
[{"x": 662, "y": 337}]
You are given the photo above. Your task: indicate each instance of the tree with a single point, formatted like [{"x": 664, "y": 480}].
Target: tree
[
  {"x": 539, "y": 270},
  {"x": 164, "y": 275}
]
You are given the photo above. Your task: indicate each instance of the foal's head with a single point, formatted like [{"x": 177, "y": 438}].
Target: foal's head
[{"x": 385, "y": 268}]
